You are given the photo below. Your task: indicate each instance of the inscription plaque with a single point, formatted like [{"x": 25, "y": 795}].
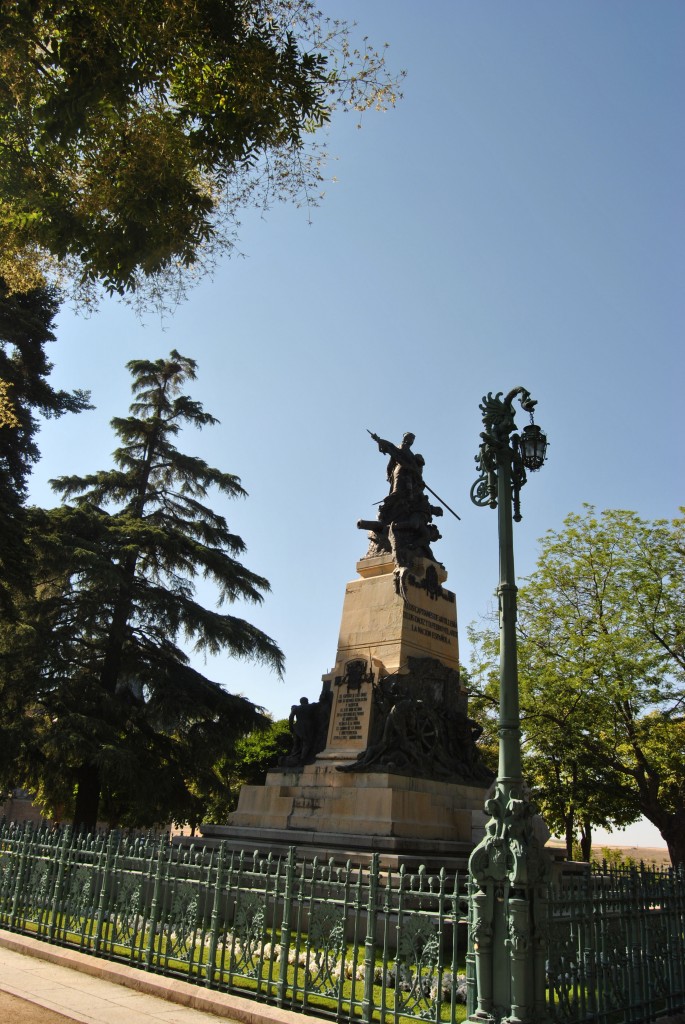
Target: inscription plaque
[
  {"x": 350, "y": 715},
  {"x": 430, "y": 624}
]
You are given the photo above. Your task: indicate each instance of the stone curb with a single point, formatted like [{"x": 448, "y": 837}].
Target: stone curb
[{"x": 236, "y": 1008}]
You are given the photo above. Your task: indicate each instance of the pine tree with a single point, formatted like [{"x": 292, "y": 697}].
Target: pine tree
[{"x": 121, "y": 717}]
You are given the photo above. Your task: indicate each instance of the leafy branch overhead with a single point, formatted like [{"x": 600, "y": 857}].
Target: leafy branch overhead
[{"x": 133, "y": 134}]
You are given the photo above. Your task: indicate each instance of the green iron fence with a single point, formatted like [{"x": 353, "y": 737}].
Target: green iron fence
[
  {"x": 616, "y": 946},
  {"x": 346, "y": 942},
  {"x": 343, "y": 942}
]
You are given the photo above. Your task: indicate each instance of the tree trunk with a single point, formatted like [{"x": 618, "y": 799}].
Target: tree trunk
[
  {"x": 570, "y": 833},
  {"x": 676, "y": 851},
  {"x": 672, "y": 828},
  {"x": 88, "y": 785},
  {"x": 674, "y": 836},
  {"x": 586, "y": 839}
]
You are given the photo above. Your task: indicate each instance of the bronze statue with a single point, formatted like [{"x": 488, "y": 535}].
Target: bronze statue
[
  {"x": 421, "y": 728},
  {"x": 404, "y": 527},
  {"x": 308, "y": 724},
  {"x": 405, "y": 468}
]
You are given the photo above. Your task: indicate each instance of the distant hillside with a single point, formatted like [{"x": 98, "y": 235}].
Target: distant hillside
[{"x": 653, "y": 856}]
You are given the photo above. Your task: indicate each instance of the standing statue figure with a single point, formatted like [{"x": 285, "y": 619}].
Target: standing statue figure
[
  {"x": 404, "y": 527},
  {"x": 308, "y": 723},
  {"x": 303, "y": 726},
  {"x": 405, "y": 468}
]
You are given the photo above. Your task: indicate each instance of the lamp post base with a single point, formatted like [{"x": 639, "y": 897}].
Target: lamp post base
[{"x": 508, "y": 917}]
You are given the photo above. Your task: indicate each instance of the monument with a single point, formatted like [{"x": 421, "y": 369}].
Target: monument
[{"x": 386, "y": 760}]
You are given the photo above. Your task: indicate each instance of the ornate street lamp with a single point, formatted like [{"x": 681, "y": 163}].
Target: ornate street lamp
[{"x": 510, "y": 867}]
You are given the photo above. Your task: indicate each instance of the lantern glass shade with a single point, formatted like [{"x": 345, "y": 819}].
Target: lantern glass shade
[{"x": 533, "y": 446}]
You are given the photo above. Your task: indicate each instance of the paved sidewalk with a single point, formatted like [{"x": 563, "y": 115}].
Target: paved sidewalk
[{"x": 93, "y": 991}]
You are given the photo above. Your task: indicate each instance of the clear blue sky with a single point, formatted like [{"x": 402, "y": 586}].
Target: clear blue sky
[{"x": 517, "y": 219}]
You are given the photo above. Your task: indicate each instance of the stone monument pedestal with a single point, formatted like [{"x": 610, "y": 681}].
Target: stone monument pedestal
[
  {"x": 319, "y": 799},
  {"x": 408, "y": 821},
  {"x": 399, "y": 773}
]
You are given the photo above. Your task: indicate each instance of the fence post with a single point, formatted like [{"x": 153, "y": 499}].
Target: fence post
[
  {"x": 282, "y": 987},
  {"x": 443, "y": 900},
  {"x": 370, "y": 944},
  {"x": 104, "y": 890},
  {"x": 154, "y": 911},
  {"x": 471, "y": 991},
  {"x": 677, "y": 879},
  {"x": 590, "y": 952},
  {"x": 541, "y": 946},
  {"x": 59, "y": 884},
  {"x": 676, "y": 931},
  {"x": 214, "y": 922},
  {"x": 19, "y": 883}
]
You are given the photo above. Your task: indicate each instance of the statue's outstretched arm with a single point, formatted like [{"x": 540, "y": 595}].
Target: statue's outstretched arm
[{"x": 386, "y": 447}]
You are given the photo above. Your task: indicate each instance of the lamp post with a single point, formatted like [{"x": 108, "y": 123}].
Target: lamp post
[{"x": 509, "y": 867}]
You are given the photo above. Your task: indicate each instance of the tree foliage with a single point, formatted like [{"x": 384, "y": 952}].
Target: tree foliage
[
  {"x": 133, "y": 134},
  {"x": 602, "y": 674},
  {"x": 26, "y": 328},
  {"x": 116, "y": 710},
  {"x": 254, "y": 754}
]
